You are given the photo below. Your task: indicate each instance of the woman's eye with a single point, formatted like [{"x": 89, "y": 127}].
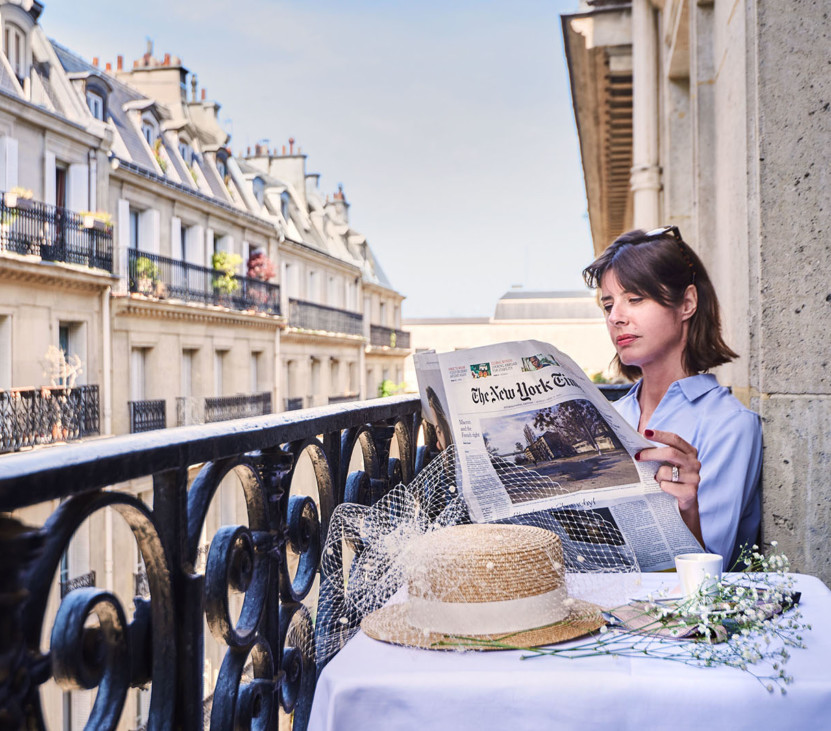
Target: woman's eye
[{"x": 635, "y": 300}]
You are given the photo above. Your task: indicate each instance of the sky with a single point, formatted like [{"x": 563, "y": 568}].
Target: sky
[{"x": 449, "y": 124}]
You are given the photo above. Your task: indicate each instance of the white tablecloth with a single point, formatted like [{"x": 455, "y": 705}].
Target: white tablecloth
[{"x": 373, "y": 685}]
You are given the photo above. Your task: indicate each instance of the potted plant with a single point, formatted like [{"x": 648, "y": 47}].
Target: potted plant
[
  {"x": 261, "y": 269},
  {"x": 147, "y": 275},
  {"x": 225, "y": 265},
  {"x": 20, "y": 198},
  {"x": 98, "y": 220}
]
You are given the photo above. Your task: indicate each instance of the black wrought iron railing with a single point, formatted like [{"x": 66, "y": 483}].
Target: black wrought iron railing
[
  {"x": 387, "y": 337},
  {"x": 54, "y": 233},
  {"x": 270, "y": 559},
  {"x": 223, "y": 408},
  {"x": 147, "y": 415},
  {"x": 294, "y": 403},
  {"x": 33, "y": 416},
  {"x": 310, "y": 316},
  {"x": 164, "y": 278},
  {"x": 343, "y": 398}
]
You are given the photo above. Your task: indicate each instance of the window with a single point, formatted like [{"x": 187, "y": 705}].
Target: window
[
  {"x": 284, "y": 206},
  {"x": 71, "y": 340},
  {"x": 185, "y": 151},
  {"x": 315, "y": 376},
  {"x": 184, "y": 235},
  {"x": 14, "y": 46},
  {"x": 382, "y": 313},
  {"x": 150, "y": 129},
  {"x": 134, "y": 229},
  {"x": 222, "y": 164},
  {"x": 138, "y": 374},
  {"x": 5, "y": 351},
  {"x": 96, "y": 105},
  {"x": 353, "y": 377},
  {"x": 219, "y": 368},
  {"x": 255, "y": 372},
  {"x": 258, "y": 184},
  {"x": 334, "y": 373},
  {"x": 186, "y": 376}
]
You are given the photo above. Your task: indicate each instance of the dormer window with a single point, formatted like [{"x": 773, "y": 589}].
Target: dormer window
[
  {"x": 222, "y": 163},
  {"x": 15, "y": 48},
  {"x": 284, "y": 205},
  {"x": 186, "y": 151},
  {"x": 95, "y": 102},
  {"x": 150, "y": 129},
  {"x": 258, "y": 184}
]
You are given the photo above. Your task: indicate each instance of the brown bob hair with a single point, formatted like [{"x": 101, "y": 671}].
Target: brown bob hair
[{"x": 661, "y": 267}]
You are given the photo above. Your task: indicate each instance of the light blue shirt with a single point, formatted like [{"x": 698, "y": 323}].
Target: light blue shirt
[{"x": 728, "y": 438}]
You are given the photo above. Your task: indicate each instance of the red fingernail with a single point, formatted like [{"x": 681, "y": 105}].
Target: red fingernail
[
  {"x": 648, "y": 433},
  {"x": 638, "y": 457}
]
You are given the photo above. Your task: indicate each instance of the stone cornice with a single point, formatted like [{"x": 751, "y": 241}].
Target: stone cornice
[
  {"x": 321, "y": 336},
  {"x": 33, "y": 270},
  {"x": 141, "y": 307}
]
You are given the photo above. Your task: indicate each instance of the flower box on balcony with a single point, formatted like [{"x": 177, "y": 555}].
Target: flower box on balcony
[
  {"x": 93, "y": 222},
  {"x": 18, "y": 200}
]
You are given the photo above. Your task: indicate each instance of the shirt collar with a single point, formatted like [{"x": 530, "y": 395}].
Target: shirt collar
[{"x": 692, "y": 386}]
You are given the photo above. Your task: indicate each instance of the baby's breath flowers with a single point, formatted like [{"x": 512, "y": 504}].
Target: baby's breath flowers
[{"x": 749, "y": 620}]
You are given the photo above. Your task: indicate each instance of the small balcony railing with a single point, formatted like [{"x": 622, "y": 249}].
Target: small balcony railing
[
  {"x": 311, "y": 316},
  {"x": 147, "y": 415},
  {"x": 79, "y": 582},
  {"x": 343, "y": 398},
  {"x": 164, "y": 278},
  {"x": 224, "y": 408},
  {"x": 387, "y": 337},
  {"x": 34, "y": 416},
  {"x": 54, "y": 233}
]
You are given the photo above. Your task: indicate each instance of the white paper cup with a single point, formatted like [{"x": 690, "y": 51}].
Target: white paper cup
[{"x": 698, "y": 571}]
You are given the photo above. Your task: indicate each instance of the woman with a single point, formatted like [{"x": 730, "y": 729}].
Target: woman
[{"x": 663, "y": 317}]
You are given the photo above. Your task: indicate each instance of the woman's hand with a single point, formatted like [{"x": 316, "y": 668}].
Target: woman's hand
[{"x": 683, "y": 456}]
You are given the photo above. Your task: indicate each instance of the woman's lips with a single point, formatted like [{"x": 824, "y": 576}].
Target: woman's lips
[{"x": 626, "y": 339}]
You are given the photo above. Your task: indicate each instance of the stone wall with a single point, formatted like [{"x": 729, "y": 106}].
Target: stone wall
[{"x": 789, "y": 227}]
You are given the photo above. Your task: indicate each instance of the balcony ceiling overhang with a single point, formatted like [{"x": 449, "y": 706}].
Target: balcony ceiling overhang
[{"x": 598, "y": 48}]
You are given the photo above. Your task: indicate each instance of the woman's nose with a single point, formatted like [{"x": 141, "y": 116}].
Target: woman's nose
[{"x": 617, "y": 314}]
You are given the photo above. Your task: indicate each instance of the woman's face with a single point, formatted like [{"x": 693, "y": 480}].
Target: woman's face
[
  {"x": 441, "y": 437},
  {"x": 644, "y": 332}
]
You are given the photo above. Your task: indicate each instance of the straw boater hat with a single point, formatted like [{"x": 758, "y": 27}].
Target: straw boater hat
[{"x": 484, "y": 586}]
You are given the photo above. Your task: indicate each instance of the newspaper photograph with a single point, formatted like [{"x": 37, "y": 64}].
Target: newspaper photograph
[{"x": 533, "y": 435}]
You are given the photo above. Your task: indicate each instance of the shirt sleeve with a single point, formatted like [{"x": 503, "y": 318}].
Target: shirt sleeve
[{"x": 729, "y": 503}]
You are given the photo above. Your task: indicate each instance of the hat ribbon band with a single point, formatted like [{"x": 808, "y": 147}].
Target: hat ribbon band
[{"x": 488, "y": 618}]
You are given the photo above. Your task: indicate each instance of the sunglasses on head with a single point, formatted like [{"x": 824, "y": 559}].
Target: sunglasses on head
[{"x": 674, "y": 233}]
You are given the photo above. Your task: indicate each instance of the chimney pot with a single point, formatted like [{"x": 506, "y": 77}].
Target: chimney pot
[
  {"x": 248, "y": 152},
  {"x": 291, "y": 145},
  {"x": 284, "y": 149},
  {"x": 120, "y": 63},
  {"x": 109, "y": 67},
  {"x": 203, "y": 93},
  {"x": 136, "y": 64},
  {"x": 167, "y": 59},
  {"x": 95, "y": 61}
]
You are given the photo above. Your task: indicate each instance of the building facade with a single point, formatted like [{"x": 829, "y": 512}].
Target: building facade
[
  {"x": 150, "y": 278},
  {"x": 714, "y": 116}
]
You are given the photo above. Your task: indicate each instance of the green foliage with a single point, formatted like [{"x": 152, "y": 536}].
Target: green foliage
[
  {"x": 146, "y": 269},
  {"x": 225, "y": 264},
  {"x": 389, "y": 388}
]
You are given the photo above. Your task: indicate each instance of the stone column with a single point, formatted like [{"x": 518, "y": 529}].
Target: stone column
[{"x": 645, "y": 179}]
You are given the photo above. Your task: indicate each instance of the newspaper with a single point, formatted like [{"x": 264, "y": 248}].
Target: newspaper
[{"x": 526, "y": 408}]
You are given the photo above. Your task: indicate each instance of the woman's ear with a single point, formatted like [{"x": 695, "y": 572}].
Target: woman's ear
[{"x": 689, "y": 305}]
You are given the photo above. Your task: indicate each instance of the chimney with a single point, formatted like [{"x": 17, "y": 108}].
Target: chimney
[
  {"x": 291, "y": 145},
  {"x": 248, "y": 152},
  {"x": 95, "y": 61},
  {"x": 167, "y": 59},
  {"x": 109, "y": 67},
  {"x": 203, "y": 93},
  {"x": 284, "y": 149},
  {"x": 193, "y": 87},
  {"x": 120, "y": 63}
]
